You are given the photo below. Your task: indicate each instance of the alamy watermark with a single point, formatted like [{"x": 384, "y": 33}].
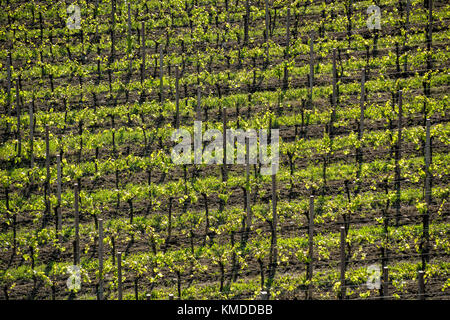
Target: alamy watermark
[
  {"x": 73, "y": 21},
  {"x": 374, "y": 277},
  {"x": 213, "y": 153},
  {"x": 74, "y": 280},
  {"x": 374, "y": 20}
]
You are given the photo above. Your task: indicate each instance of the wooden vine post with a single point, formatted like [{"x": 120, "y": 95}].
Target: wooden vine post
[
  {"x": 397, "y": 159},
  {"x": 143, "y": 51},
  {"x": 119, "y": 275},
  {"x": 31, "y": 112},
  {"x": 247, "y": 186},
  {"x": 273, "y": 244},
  {"x": 310, "y": 263},
  {"x": 385, "y": 283},
  {"x": 177, "y": 97},
  {"x": 100, "y": 259},
  {"x": 359, "y": 153},
  {"x": 286, "y": 54},
  {"x": 77, "y": 228},
  {"x": 266, "y": 36},
  {"x": 14, "y": 217},
  {"x": 41, "y": 27},
  {"x": 263, "y": 295},
  {"x": 385, "y": 241},
  {"x": 334, "y": 96},
  {"x": 406, "y": 27},
  {"x": 161, "y": 74},
  {"x": 58, "y": 195},
  {"x": 99, "y": 71},
  {"x": 311, "y": 71},
  {"x": 47, "y": 155},
  {"x": 80, "y": 133},
  {"x": 429, "y": 40},
  {"x": 224, "y": 125},
  {"x": 8, "y": 90},
  {"x": 19, "y": 134},
  {"x": 130, "y": 61},
  {"x": 349, "y": 21},
  {"x": 113, "y": 24},
  {"x": 246, "y": 20},
  {"x": 198, "y": 111},
  {"x": 343, "y": 290},
  {"x": 47, "y": 177},
  {"x": 421, "y": 284},
  {"x": 426, "y": 215},
  {"x": 430, "y": 30}
]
